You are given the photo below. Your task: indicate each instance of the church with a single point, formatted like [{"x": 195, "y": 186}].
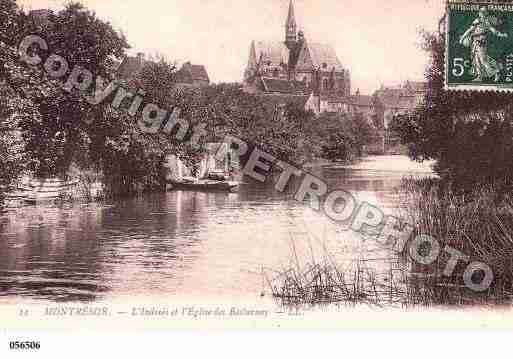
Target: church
[{"x": 296, "y": 66}]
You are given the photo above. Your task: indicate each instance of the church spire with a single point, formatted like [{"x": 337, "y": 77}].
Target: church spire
[
  {"x": 291, "y": 27},
  {"x": 291, "y": 19}
]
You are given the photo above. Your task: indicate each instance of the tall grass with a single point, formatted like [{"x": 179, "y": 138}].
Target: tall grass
[
  {"x": 479, "y": 224},
  {"x": 323, "y": 283},
  {"x": 320, "y": 280},
  {"x": 324, "y": 280}
]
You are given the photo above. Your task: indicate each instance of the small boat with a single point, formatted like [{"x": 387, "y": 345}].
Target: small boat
[
  {"x": 193, "y": 184},
  {"x": 212, "y": 176},
  {"x": 46, "y": 190}
]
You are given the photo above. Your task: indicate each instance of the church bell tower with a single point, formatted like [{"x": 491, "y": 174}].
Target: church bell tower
[{"x": 291, "y": 28}]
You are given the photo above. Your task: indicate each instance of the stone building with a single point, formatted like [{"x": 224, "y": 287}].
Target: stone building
[
  {"x": 398, "y": 100},
  {"x": 296, "y": 66},
  {"x": 189, "y": 75},
  {"x": 392, "y": 101},
  {"x": 192, "y": 76}
]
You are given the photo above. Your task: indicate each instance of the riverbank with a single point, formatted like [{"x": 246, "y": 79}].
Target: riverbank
[
  {"x": 37, "y": 191},
  {"x": 477, "y": 224},
  {"x": 175, "y": 243}
]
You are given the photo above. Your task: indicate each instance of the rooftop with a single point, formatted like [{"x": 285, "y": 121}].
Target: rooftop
[
  {"x": 190, "y": 73},
  {"x": 283, "y": 86}
]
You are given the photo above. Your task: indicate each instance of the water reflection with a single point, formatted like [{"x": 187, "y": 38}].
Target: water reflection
[
  {"x": 175, "y": 243},
  {"x": 48, "y": 252}
]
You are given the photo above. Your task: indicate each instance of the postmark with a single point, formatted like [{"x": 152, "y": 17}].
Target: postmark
[{"x": 479, "y": 46}]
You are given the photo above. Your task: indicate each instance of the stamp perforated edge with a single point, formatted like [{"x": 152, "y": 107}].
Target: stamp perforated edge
[{"x": 459, "y": 87}]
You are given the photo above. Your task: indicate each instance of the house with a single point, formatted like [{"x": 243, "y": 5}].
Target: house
[
  {"x": 192, "y": 76},
  {"x": 189, "y": 75},
  {"x": 392, "y": 101},
  {"x": 296, "y": 66},
  {"x": 397, "y": 100},
  {"x": 131, "y": 67}
]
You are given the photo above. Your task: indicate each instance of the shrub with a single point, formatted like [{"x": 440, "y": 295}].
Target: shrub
[{"x": 469, "y": 134}]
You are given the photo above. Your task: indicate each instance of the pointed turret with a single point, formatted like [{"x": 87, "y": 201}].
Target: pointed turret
[{"x": 291, "y": 27}]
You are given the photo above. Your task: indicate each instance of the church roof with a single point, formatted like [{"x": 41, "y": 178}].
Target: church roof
[
  {"x": 271, "y": 51},
  {"x": 321, "y": 56},
  {"x": 283, "y": 86},
  {"x": 284, "y": 99},
  {"x": 324, "y": 54}
]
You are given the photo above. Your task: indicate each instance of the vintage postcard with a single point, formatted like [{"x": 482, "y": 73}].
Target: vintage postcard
[{"x": 239, "y": 164}]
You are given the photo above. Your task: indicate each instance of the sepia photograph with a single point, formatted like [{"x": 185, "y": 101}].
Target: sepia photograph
[{"x": 253, "y": 165}]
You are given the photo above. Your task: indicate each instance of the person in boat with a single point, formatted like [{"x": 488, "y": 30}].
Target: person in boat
[{"x": 208, "y": 171}]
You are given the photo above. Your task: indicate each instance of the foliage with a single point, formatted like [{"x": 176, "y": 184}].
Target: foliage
[
  {"x": 131, "y": 160},
  {"x": 469, "y": 134},
  {"x": 157, "y": 79},
  {"x": 287, "y": 132},
  {"x": 225, "y": 109},
  {"x": 59, "y": 135},
  {"x": 9, "y": 20},
  {"x": 478, "y": 224},
  {"x": 83, "y": 39},
  {"x": 344, "y": 135},
  {"x": 12, "y": 107},
  {"x": 12, "y": 110}
]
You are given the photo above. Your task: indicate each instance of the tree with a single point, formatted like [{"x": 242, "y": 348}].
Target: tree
[
  {"x": 12, "y": 110},
  {"x": 131, "y": 160},
  {"x": 59, "y": 135},
  {"x": 9, "y": 20},
  {"x": 276, "y": 126},
  {"x": 344, "y": 135},
  {"x": 14, "y": 104},
  {"x": 469, "y": 134}
]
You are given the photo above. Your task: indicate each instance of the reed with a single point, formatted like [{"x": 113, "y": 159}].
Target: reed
[
  {"x": 322, "y": 284},
  {"x": 321, "y": 280},
  {"x": 479, "y": 224}
]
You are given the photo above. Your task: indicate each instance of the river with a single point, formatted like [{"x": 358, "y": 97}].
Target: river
[{"x": 218, "y": 245}]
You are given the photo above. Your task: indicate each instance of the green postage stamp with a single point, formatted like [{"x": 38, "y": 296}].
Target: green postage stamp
[{"x": 479, "y": 46}]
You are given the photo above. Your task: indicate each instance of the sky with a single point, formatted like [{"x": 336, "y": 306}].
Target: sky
[{"x": 378, "y": 41}]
